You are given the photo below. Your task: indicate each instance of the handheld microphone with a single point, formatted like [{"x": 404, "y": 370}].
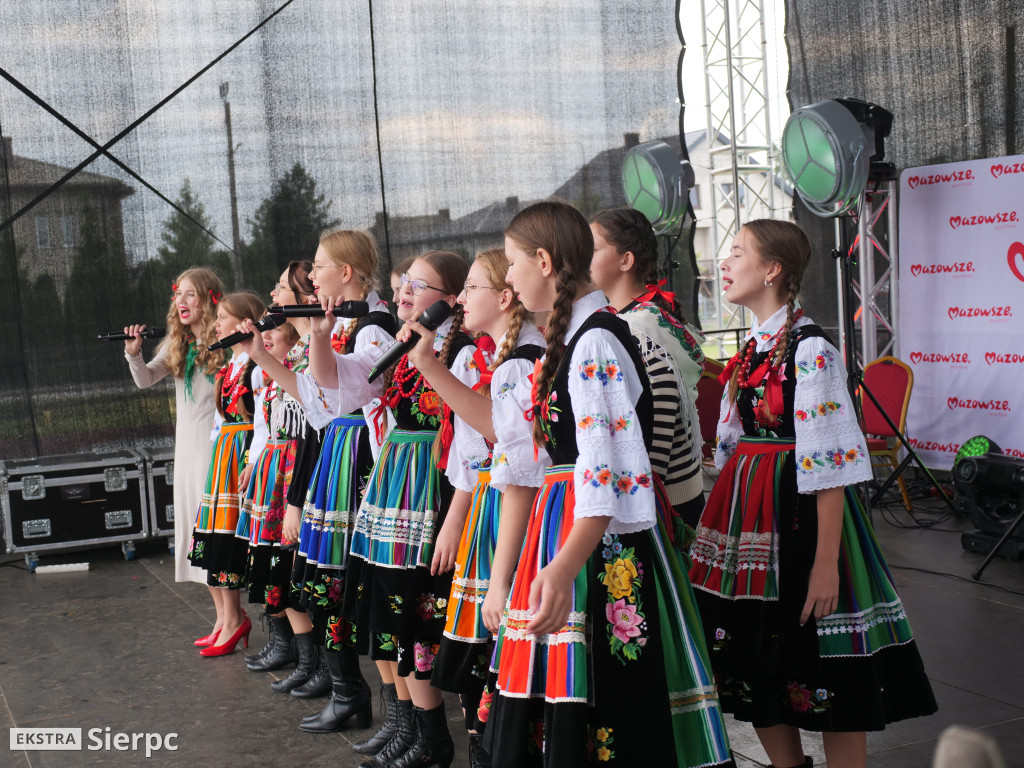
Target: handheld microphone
[
  {"x": 266, "y": 324},
  {"x": 345, "y": 309},
  {"x": 431, "y": 318},
  {"x": 156, "y": 332}
]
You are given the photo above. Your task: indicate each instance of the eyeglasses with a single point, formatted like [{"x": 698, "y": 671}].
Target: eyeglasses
[
  {"x": 467, "y": 287},
  {"x": 278, "y": 288},
  {"x": 316, "y": 267},
  {"x": 418, "y": 286}
]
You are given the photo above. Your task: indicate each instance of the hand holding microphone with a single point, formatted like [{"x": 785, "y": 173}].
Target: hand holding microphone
[
  {"x": 133, "y": 336},
  {"x": 431, "y": 318},
  {"x": 267, "y": 323}
]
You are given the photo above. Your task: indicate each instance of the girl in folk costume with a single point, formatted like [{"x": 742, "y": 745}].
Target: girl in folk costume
[
  {"x": 277, "y": 427},
  {"x": 310, "y": 677},
  {"x": 183, "y": 354},
  {"x": 213, "y": 540},
  {"x": 595, "y": 614},
  {"x": 467, "y": 539},
  {"x": 625, "y": 268},
  {"x": 397, "y": 605},
  {"x": 337, "y": 393},
  {"x": 805, "y": 627}
]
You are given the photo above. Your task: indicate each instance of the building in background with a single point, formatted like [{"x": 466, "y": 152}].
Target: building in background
[{"x": 46, "y": 237}]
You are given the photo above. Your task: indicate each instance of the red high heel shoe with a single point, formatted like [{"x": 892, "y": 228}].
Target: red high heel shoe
[
  {"x": 210, "y": 639},
  {"x": 229, "y": 646}
]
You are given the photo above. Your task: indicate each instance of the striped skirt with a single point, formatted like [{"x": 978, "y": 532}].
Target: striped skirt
[
  {"x": 328, "y": 515},
  {"x": 626, "y": 677},
  {"x": 854, "y": 670},
  {"x": 259, "y": 525},
  {"x": 213, "y": 539},
  {"x": 466, "y": 647},
  {"x": 396, "y": 606}
]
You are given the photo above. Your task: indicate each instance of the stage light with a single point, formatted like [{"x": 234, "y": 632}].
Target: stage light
[
  {"x": 975, "y": 446},
  {"x": 657, "y": 183},
  {"x": 828, "y": 149},
  {"x": 991, "y": 488}
]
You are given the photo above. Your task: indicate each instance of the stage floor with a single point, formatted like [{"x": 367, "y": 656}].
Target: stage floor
[{"x": 111, "y": 648}]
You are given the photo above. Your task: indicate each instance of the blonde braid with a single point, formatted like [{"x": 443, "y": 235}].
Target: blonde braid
[
  {"x": 554, "y": 333},
  {"x": 516, "y": 320}
]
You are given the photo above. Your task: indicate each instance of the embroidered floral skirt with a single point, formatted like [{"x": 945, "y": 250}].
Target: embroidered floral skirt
[
  {"x": 336, "y": 486},
  {"x": 258, "y": 531},
  {"x": 462, "y": 663},
  {"x": 213, "y": 540},
  {"x": 397, "y": 608},
  {"x": 854, "y": 670},
  {"x": 625, "y": 679}
]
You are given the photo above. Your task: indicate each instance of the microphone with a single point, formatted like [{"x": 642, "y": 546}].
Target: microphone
[
  {"x": 156, "y": 332},
  {"x": 345, "y": 309},
  {"x": 431, "y": 318},
  {"x": 266, "y": 324}
]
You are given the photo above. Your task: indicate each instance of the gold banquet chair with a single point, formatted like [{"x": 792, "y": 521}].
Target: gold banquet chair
[{"x": 890, "y": 380}]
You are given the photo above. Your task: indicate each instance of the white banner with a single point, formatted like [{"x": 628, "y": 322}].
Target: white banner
[{"x": 961, "y": 290}]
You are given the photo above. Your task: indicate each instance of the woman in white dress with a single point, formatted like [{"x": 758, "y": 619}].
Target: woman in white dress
[{"x": 184, "y": 354}]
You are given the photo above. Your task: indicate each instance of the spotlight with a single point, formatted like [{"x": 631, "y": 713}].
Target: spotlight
[
  {"x": 990, "y": 487},
  {"x": 657, "y": 183},
  {"x": 828, "y": 149}
]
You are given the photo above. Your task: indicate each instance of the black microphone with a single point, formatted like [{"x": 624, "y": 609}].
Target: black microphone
[
  {"x": 266, "y": 324},
  {"x": 431, "y": 318},
  {"x": 156, "y": 332},
  {"x": 345, "y": 309}
]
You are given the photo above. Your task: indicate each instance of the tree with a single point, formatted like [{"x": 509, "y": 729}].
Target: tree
[
  {"x": 286, "y": 227},
  {"x": 185, "y": 244}
]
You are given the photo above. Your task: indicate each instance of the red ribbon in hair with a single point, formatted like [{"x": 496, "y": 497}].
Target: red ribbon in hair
[
  {"x": 536, "y": 409},
  {"x": 655, "y": 291},
  {"x": 481, "y": 365},
  {"x": 214, "y": 297},
  {"x": 447, "y": 435},
  {"x": 174, "y": 288}
]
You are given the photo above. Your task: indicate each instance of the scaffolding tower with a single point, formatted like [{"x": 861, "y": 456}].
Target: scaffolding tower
[{"x": 741, "y": 156}]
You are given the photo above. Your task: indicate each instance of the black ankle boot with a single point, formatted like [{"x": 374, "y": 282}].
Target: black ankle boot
[
  {"x": 405, "y": 735},
  {"x": 807, "y": 763},
  {"x": 305, "y": 667},
  {"x": 350, "y": 695},
  {"x": 478, "y": 757},
  {"x": 319, "y": 683},
  {"x": 389, "y": 706},
  {"x": 433, "y": 745},
  {"x": 279, "y": 650}
]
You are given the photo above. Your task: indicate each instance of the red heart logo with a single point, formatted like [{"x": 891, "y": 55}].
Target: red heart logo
[
  {"x": 953, "y": 311},
  {"x": 1016, "y": 249},
  {"x": 954, "y": 221},
  {"x": 951, "y": 403},
  {"x": 915, "y": 269},
  {"x": 912, "y": 182},
  {"x": 997, "y": 170},
  {"x": 915, "y": 357},
  {"x": 990, "y": 357}
]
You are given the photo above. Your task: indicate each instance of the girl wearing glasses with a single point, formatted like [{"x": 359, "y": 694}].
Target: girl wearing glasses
[
  {"x": 342, "y": 352},
  {"x": 184, "y": 355},
  {"x": 804, "y": 624},
  {"x": 595, "y": 630},
  {"x": 397, "y": 605},
  {"x": 214, "y": 547},
  {"x": 482, "y": 430}
]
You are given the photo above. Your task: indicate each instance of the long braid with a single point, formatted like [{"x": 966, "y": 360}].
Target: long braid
[
  {"x": 443, "y": 356},
  {"x": 516, "y": 320},
  {"x": 554, "y": 333}
]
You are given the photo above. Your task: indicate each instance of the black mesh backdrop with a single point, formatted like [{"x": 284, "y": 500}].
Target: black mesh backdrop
[
  {"x": 950, "y": 71},
  {"x": 467, "y": 110}
]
